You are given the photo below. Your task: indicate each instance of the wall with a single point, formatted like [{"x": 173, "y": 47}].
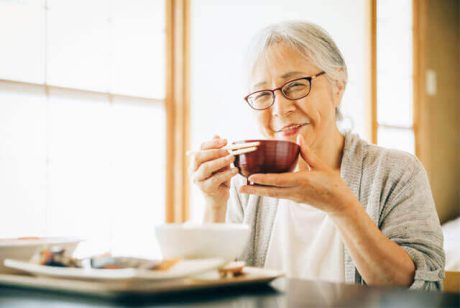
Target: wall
[{"x": 438, "y": 128}]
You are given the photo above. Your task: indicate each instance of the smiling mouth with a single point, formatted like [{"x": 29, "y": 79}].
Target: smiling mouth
[{"x": 291, "y": 128}]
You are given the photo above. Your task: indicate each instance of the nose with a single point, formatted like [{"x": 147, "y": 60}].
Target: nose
[{"x": 282, "y": 106}]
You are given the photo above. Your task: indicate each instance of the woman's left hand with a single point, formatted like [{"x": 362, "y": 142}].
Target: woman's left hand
[{"x": 321, "y": 186}]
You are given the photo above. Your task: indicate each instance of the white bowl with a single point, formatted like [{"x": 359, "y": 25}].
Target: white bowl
[
  {"x": 24, "y": 249},
  {"x": 190, "y": 241}
]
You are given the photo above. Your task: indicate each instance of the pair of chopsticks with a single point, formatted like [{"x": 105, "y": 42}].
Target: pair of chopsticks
[{"x": 236, "y": 149}]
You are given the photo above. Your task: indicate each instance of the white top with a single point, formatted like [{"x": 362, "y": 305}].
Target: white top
[{"x": 305, "y": 244}]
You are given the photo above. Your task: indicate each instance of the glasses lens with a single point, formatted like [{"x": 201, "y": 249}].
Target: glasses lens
[
  {"x": 296, "y": 89},
  {"x": 261, "y": 100}
]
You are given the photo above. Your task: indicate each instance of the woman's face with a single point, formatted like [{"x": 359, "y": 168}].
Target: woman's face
[{"x": 312, "y": 116}]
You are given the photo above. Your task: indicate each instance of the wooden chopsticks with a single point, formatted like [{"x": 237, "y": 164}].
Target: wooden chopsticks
[{"x": 236, "y": 149}]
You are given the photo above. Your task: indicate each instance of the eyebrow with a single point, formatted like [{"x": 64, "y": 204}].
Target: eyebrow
[{"x": 284, "y": 76}]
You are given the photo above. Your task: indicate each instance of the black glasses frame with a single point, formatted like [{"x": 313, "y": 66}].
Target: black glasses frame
[{"x": 308, "y": 78}]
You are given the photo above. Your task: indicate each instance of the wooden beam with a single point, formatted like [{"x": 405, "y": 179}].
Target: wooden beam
[
  {"x": 419, "y": 8},
  {"x": 436, "y": 107},
  {"x": 373, "y": 79},
  {"x": 177, "y": 109},
  {"x": 452, "y": 282}
]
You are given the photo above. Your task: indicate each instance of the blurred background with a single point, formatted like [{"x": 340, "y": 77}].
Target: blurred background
[{"x": 99, "y": 99}]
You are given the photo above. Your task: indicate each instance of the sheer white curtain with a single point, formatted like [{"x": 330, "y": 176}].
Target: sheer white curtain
[{"x": 82, "y": 121}]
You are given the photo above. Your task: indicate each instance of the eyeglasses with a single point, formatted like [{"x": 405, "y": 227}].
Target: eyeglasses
[{"x": 292, "y": 90}]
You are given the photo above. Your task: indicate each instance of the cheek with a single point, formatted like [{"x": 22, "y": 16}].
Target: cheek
[
  {"x": 263, "y": 121},
  {"x": 320, "y": 106}
]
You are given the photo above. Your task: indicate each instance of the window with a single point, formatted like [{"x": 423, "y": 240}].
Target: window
[
  {"x": 82, "y": 121},
  {"x": 394, "y": 75}
]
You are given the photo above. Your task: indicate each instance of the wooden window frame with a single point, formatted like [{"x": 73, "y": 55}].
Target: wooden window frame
[
  {"x": 373, "y": 71},
  {"x": 419, "y": 13},
  {"x": 177, "y": 109}
]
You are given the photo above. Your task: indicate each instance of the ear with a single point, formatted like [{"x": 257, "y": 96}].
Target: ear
[{"x": 337, "y": 92}]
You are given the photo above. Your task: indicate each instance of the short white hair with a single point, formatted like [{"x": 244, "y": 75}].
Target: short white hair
[{"x": 308, "y": 39}]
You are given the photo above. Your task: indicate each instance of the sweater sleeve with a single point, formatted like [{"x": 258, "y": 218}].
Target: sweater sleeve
[{"x": 409, "y": 218}]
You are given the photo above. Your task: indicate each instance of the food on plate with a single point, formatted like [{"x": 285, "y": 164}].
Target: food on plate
[
  {"x": 130, "y": 262},
  {"x": 57, "y": 256},
  {"x": 233, "y": 269},
  {"x": 29, "y": 238}
]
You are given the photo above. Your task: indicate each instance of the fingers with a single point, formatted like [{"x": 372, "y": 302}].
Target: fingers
[
  {"x": 267, "y": 191},
  {"x": 212, "y": 184},
  {"x": 215, "y": 143},
  {"x": 206, "y": 155},
  {"x": 211, "y": 168},
  {"x": 210, "y": 150},
  {"x": 275, "y": 179},
  {"x": 308, "y": 155},
  {"x": 207, "y": 169}
]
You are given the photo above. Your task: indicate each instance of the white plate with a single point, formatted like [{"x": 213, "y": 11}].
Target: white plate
[
  {"x": 115, "y": 288},
  {"x": 183, "y": 269},
  {"x": 38, "y": 241},
  {"x": 23, "y": 249}
]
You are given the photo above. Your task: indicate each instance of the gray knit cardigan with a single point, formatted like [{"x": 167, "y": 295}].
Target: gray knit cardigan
[{"x": 393, "y": 188}]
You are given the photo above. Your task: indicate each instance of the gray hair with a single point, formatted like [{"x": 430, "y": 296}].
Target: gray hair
[{"x": 310, "y": 40}]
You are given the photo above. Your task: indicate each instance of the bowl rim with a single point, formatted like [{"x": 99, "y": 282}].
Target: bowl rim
[
  {"x": 202, "y": 226},
  {"x": 39, "y": 241},
  {"x": 264, "y": 141}
]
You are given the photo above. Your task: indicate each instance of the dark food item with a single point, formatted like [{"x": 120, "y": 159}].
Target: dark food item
[
  {"x": 129, "y": 262},
  {"x": 56, "y": 256}
]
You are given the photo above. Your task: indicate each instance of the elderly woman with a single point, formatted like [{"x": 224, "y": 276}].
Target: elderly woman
[{"x": 352, "y": 211}]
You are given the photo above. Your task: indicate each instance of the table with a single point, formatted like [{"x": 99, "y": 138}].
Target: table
[{"x": 281, "y": 293}]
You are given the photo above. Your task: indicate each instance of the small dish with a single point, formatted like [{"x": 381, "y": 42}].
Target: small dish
[{"x": 209, "y": 240}]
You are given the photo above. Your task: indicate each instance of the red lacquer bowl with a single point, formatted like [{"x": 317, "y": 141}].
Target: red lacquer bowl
[{"x": 271, "y": 156}]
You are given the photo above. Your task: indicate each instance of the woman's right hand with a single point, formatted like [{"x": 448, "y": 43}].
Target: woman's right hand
[{"x": 211, "y": 172}]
